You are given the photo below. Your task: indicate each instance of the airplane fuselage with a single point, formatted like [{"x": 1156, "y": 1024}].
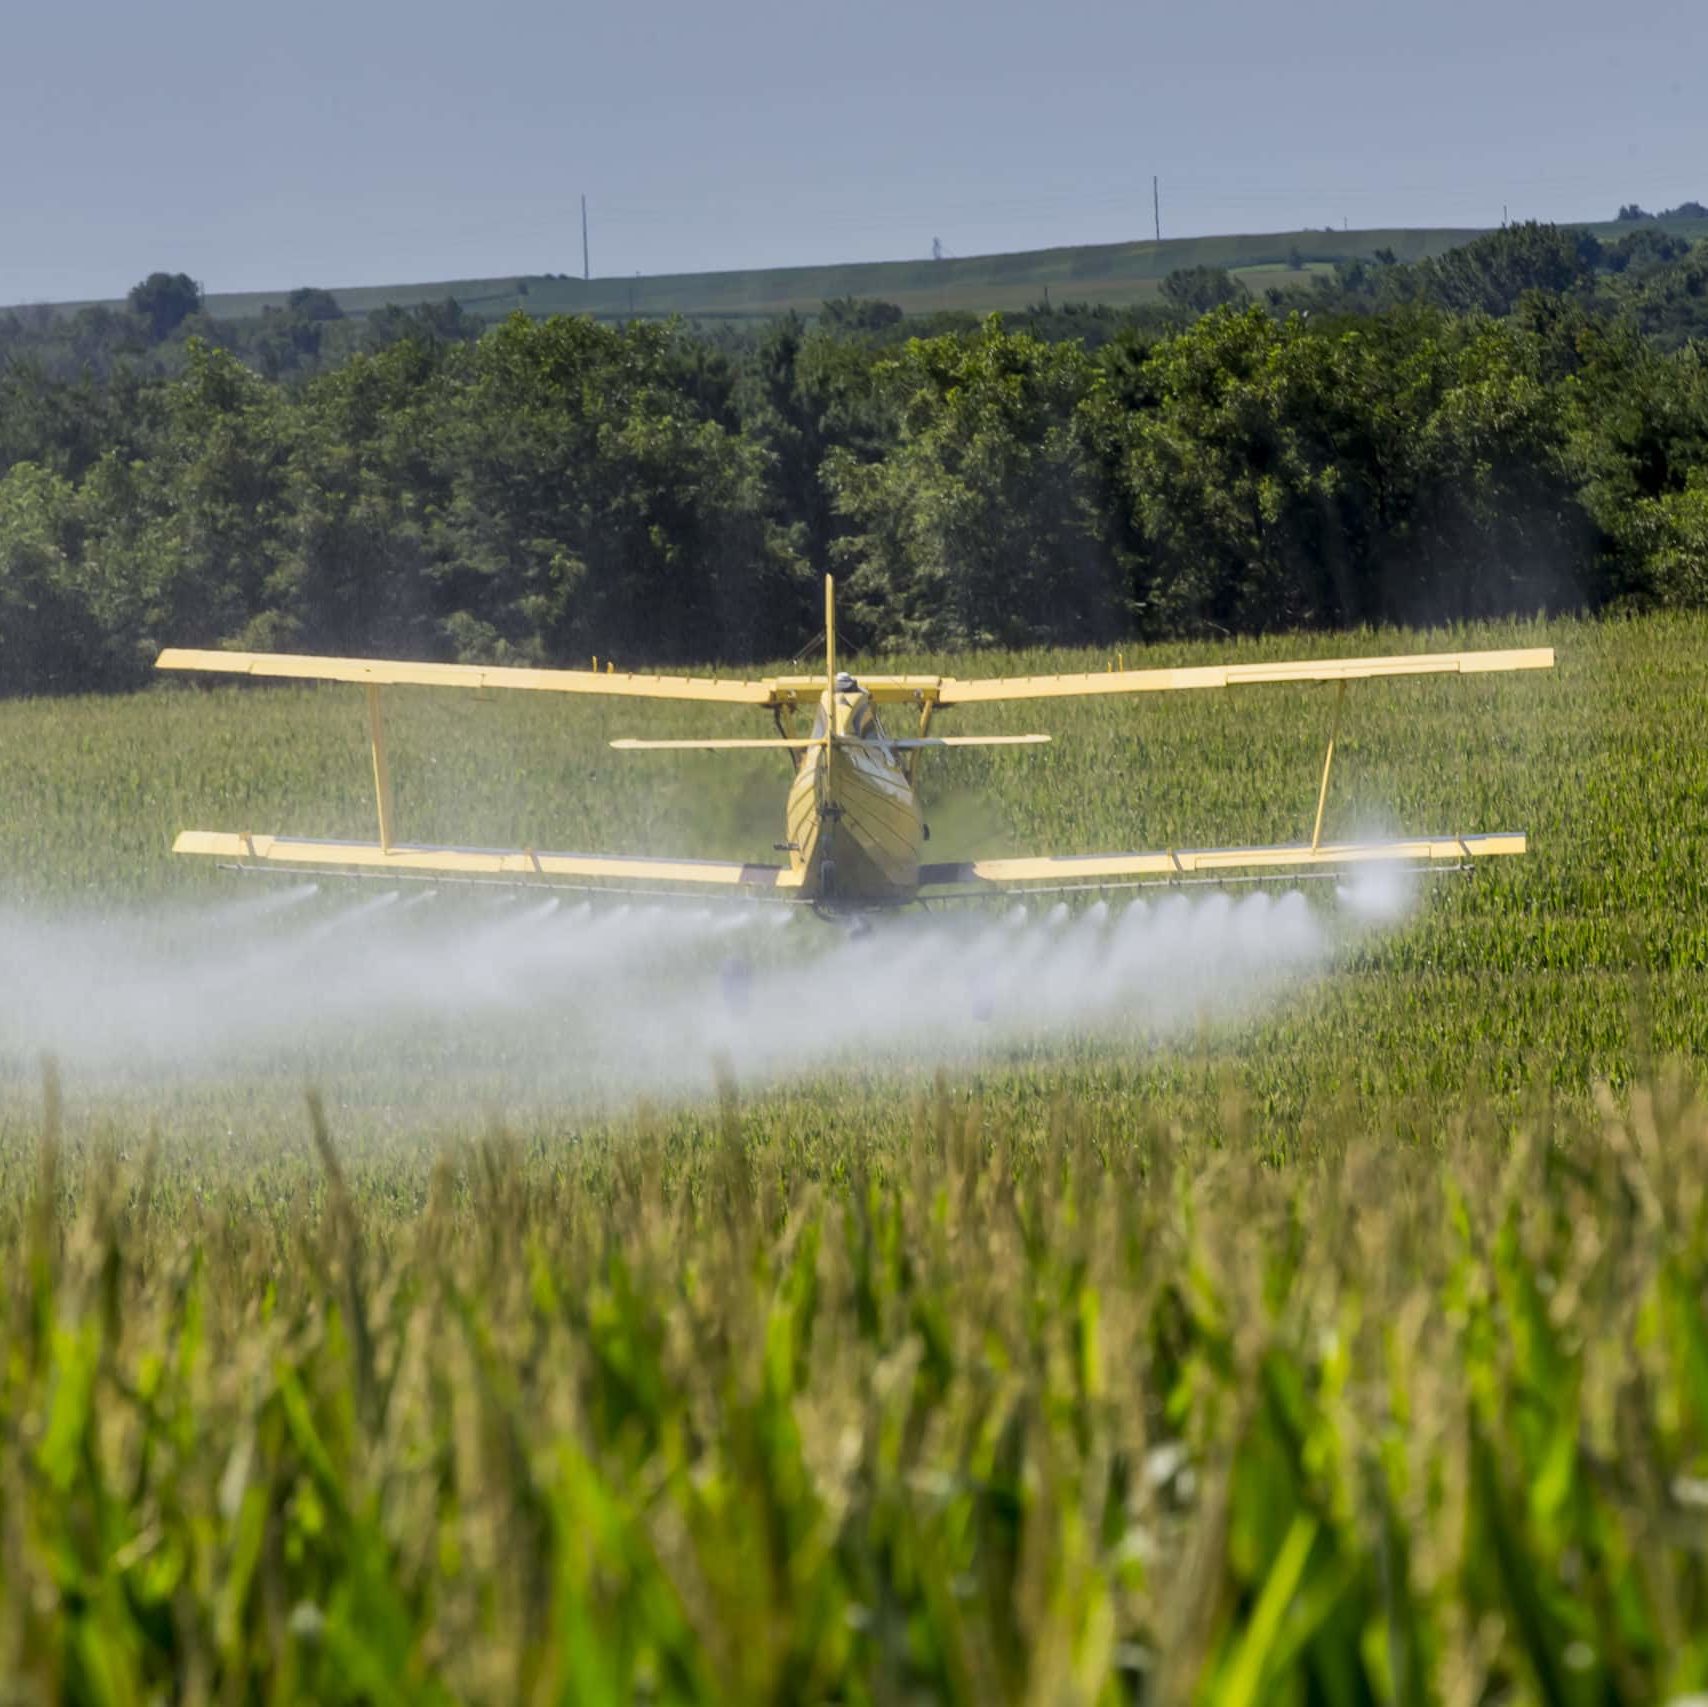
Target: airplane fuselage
[{"x": 855, "y": 827}]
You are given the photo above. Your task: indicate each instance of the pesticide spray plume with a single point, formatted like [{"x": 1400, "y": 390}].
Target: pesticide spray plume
[{"x": 574, "y": 1000}]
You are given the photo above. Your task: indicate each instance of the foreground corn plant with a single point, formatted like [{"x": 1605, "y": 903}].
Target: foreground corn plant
[{"x": 1000, "y": 1414}]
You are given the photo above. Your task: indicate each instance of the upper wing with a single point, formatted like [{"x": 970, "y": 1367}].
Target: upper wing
[
  {"x": 778, "y": 690},
  {"x": 950, "y": 690},
  {"x": 953, "y": 692},
  {"x": 378, "y": 672}
]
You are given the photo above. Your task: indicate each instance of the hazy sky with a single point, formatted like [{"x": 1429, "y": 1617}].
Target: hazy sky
[{"x": 367, "y": 143}]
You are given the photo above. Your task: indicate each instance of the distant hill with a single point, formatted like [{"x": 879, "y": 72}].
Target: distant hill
[{"x": 1114, "y": 273}]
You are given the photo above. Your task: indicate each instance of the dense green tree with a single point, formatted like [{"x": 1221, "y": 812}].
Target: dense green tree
[
  {"x": 311, "y": 303},
  {"x": 1490, "y": 274},
  {"x": 287, "y": 342},
  {"x": 1200, "y": 289},
  {"x": 355, "y": 569},
  {"x": 806, "y": 394},
  {"x": 1669, "y": 304},
  {"x": 211, "y": 503},
  {"x": 980, "y": 525},
  {"x": 165, "y": 301},
  {"x": 859, "y": 314},
  {"x": 1638, "y": 251},
  {"x": 67, "y": 425},
  {"x": 49, "y": 638},
  {"x": 1637, "y": 455},
  {"x": 1089, "y": 324},
  {"x": 1402, "y": 470},
  {"x": 443, "y": 322},
  {"x": 592, "y": 511}
]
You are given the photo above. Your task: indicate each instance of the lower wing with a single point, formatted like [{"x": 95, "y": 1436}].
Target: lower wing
[
  {"x": 301, "y": 853},
  {"x": 1094, "y": 869}
]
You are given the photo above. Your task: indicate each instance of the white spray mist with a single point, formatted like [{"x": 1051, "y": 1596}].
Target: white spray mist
[{"x": 559, "y": 996}]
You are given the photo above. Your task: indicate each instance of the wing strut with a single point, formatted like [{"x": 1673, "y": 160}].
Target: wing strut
[
  {"x": 1328, "y": 764},
  {"x": 382, "y": 771}
]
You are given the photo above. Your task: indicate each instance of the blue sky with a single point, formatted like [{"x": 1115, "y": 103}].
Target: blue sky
[{"x": 370, "y": 143}]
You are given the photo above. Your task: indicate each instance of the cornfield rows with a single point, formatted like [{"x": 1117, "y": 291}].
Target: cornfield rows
[
  {"x": 1354, "y": 1352},
  {"x": 993, "y": 1414}
]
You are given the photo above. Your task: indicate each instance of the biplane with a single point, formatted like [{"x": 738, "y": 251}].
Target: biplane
[{"x": 856, "y": 833}]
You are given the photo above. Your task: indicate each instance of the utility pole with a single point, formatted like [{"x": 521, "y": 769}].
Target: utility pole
[
  {"x": 1156, "y": 207},
  {"x": 586, "y": 268}
]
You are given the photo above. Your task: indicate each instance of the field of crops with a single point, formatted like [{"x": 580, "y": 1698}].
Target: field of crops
[
  {"x": 1116, "y": 273},
  {"x": 1111, "y": 272},
  {"x": 1347, "y": 1347}
]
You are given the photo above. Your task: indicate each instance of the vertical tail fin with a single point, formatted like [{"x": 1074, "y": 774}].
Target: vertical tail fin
[
  {"x": 830, "y": 635},
  {"x": 829, "y": 671},
  {"x": 826, "y": 787}
]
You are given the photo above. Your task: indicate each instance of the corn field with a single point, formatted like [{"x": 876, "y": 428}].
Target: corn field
[
  {"x": 996, "y": 1414},
  {"x": 1352, "y": 1352}
]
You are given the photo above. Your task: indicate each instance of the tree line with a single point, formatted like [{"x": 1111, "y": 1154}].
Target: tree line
[
  {"x": 1486, "y": 433},
  {"x": 165, "y": 313}
]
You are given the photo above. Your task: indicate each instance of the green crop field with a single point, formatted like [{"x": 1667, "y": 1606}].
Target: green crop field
[
  {"x": 1348, "y": 1346},
  {"x": 1115, "y": 273}
]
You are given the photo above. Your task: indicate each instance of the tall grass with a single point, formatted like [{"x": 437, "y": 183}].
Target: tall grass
[
  {"x": 1274, "y": 1367},
  {"x": 1005, "y": 1412}
]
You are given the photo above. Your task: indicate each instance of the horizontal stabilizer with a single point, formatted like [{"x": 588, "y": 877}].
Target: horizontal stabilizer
[
  {"x": 971, "y": 741},
  {"x": 301, "y": 851},
  {"x": 630, "y": 744},
  {"x": 1093, "y": 868}
]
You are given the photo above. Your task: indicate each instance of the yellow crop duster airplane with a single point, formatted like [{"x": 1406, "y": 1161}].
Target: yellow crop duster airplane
[{"x": 855, "y": 830}]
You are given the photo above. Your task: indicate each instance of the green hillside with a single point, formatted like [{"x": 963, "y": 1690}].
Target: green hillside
[{"x": 1116, "y": 273}]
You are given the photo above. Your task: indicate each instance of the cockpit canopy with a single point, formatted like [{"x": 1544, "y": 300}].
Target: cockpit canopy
[{"x": 855, "y": 714}]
